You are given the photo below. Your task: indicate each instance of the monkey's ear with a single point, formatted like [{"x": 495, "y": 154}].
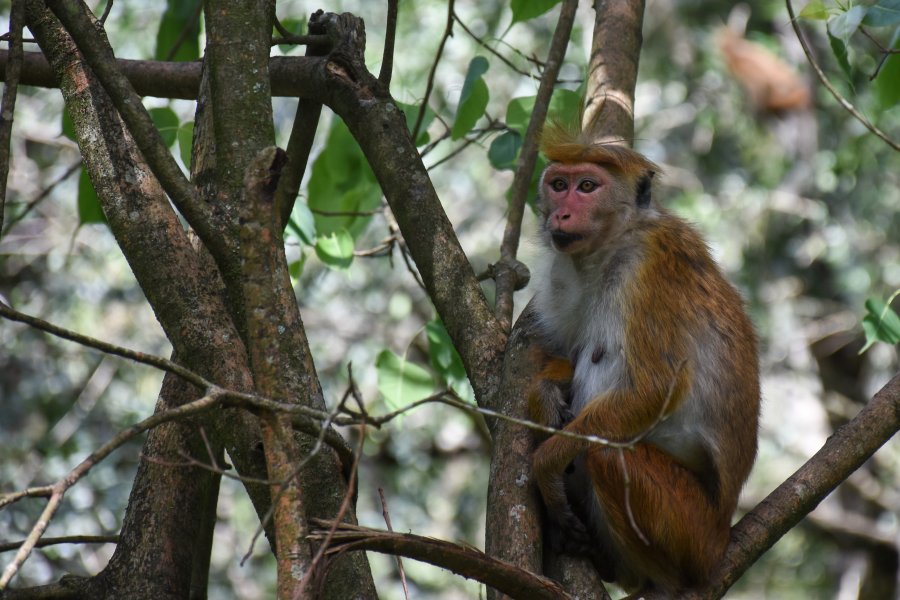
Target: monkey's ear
[{"x": 642, "y": 192}]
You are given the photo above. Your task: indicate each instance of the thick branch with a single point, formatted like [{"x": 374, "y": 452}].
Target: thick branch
[
  {"x": 344, "y": 84},
  {"x": 99, "y": 56},
  {"x": 464, "y": 560},
  {"x": 271, "y": 322},
  {"x": 843, "y": 453},
  {"x": 612, "y": 74}
]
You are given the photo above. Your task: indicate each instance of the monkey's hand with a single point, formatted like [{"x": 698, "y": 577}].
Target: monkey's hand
[
  {"x": 566, "y": 532},
  {"x": 549, "y": 404}
]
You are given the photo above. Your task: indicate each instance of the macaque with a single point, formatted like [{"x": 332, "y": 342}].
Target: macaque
[{"x": 644, "y": 343}]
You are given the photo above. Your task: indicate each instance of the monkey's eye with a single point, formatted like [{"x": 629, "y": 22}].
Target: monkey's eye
[
  {"x": 558, "y": 185},
  {"x": 587, "y": 186}
]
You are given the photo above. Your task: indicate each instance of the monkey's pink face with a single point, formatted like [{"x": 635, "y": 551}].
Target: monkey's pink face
[{"x": 575, "y": 198}]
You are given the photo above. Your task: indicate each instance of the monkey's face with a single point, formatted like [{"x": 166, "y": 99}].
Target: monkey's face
[{"x": 579, "y": 206}]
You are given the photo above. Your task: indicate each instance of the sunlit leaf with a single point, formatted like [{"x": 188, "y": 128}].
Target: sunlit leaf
[
  {"x": 302, "y": 223},
  {"x": 524, "y": 10},
  {"x": 446, "y": 360},
  {"x": 845, "y": 24},
  {"x": 342, "y": 185},
  {"x": 881, "y": 323},
  {"x": 335, "y": 249},
  {"x": 180, "y": 25},
  {"x": 883, "y": 13},
  {"x": 401, "y": 381},
  {"x": 473, "y": 100},
  {"x": 814, "y": 10}
]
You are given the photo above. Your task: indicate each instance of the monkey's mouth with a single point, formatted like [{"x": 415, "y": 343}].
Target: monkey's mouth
[{"x": 563, "y": 239}]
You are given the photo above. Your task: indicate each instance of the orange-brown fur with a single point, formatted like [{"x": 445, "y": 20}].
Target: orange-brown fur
[{"x": 685, "y": 388}]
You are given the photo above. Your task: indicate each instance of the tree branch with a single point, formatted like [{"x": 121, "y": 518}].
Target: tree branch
[
  {"x": 615, "y": 54},
  {"x": 8, "y": 106},
  {"x": 463, "y": 560},
  {"x": 99, "y": 56},
  {"x": 508, "y": 276},
  {"x": 837, "y": 95}
]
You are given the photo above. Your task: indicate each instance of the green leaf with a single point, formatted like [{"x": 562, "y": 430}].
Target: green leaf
[
  {"x": 887, "y": 84},
  {"x": 883, "y": 13},
  {"x": 186, "y": 142},
  {"x": 524, "y": 10},
  {"x": 840, "y": 53},
  {"x": 814, "y": 10},
  {"x": 565, "y": 106},
  {"x": 335, "y": 249},
  {"x": 166, "y": 122},
  {"x": 881, "y": 323},
  {"x": 504, "y": 150},
  {"x": 411, "y": 112},
  {"x": 342, "y": 182},
  {"x": 473, "y": 100},
  {"x": 444, "y": 357},
  {"x": 845, "y": 24},
  {"x": 303, "y": 223},
  {"x": 400, "y": 381},
  {"x": 296, "y": 268},
  {"x": 180, "y": 24},
  {"x": 89, "y": 210},
  {"x": 68, "y": 126}
]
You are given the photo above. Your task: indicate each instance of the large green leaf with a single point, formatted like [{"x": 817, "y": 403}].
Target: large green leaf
[
  {"x": 881, "y": 323},
  {"x": 179, "y": 24},
  {"x": 839, "y": 48},
  {"x": 446, "y": 360},
  {"x": 342, "y": 182},
  {"x": 473, "y": 99},
  {"x": 335, "y": 249},
  {"x": 504, "y": 150},
  {"x": 524, "y": 10},
  {"x": 887, "y": 84},
  {"x": 166, "y": 122},
  {"x": 565, "y": 106},
  {"x": 845, "y": 24},
  {"x": 814, "y": 10},
  {"x": 883, "y": 14},
  {"x": 400, "y": 381}
]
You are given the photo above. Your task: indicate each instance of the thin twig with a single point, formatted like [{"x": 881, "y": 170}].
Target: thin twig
[
  {"x": 824, "y": 79},
  {"x": 65, "y": 539},
  {"x": 45, "y": 193},
  {"x": 387, "y": 60},
  {"x": 59, "y": 489},
  {"x": 484, "y": 45},
  {"x": 507, "y": 275},
  {"x": 387, "y": 521},
  {"x": 448, "y": 31}
]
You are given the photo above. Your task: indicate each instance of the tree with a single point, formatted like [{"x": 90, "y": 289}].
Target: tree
[{"x": 242, "y": 381}]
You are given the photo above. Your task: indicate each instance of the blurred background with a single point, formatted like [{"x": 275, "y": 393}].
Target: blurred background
[{"x": 798, "y": 201}]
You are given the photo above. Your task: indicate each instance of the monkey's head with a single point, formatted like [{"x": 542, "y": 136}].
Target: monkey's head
[{"x": 590, "y": 193}]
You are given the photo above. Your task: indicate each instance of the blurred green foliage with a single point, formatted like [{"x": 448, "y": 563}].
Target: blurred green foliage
[{"x": 801, "y": 209}]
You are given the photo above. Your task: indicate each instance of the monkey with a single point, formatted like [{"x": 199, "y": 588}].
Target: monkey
[{"x": 641, "y": 341}]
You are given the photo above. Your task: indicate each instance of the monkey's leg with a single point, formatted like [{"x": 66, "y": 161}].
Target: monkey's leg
[{"x": 665, "y": 524}]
